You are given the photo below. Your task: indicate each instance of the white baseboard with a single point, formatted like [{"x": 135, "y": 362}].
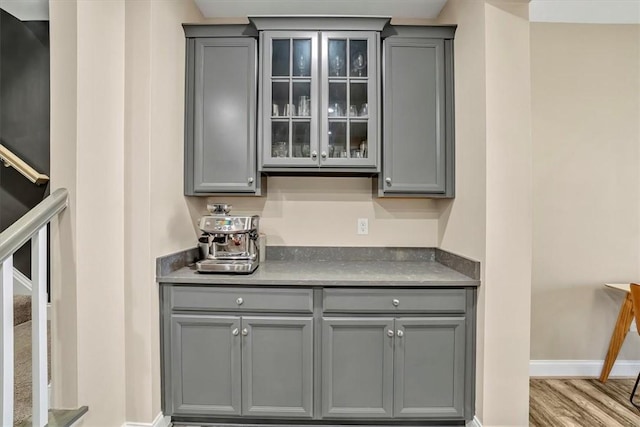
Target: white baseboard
[
  {"x": 21, "y": 283},
  {"x": 475, "y": 422},
  {"x": 581, "y": 368},
  {"x": 160, "y": 421}
]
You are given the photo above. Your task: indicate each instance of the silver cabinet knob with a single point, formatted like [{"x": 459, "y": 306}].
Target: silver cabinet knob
[
  {"x": 395, "y": 302},
  {"x": 250, "y": 180},
  {"x": 400, "y": 333},
  {"x": 234, "y": 332},
  {"x": 323, "y": 155},
  {"x": 390, "y": 333},
  {"x": 314, "y": 154},
  {"x": 245, "y": 332},
  {"x": 239, "y": 301},
  {"x": 388, "y": 180}
]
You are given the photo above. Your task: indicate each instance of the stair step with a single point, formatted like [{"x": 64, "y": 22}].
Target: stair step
[
  {"x": 60, "y": 417},
  {"x": 21, "y": 309}
]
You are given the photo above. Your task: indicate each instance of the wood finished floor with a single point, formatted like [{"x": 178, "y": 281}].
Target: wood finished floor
[{"x": 581, "y": 402}]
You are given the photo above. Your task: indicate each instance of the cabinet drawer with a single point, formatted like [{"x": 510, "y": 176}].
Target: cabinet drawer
[
  {"x": 394, "y": 300},
  {"x": 241, "y": 299}
]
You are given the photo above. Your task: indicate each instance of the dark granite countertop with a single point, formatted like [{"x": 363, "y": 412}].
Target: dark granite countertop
[{"x": 366, "y": 267}]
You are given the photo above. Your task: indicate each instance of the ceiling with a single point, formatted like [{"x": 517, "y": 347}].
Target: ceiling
[
  {"x": 577, "y": 11},
  {"x": 27, "y": 10}
]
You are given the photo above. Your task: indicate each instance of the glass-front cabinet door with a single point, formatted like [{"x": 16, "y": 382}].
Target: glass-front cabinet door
[
  {"x": 319, "y": 99},
  {"x": 349, "y": 99},
  {"x": 290, "y": 99}
]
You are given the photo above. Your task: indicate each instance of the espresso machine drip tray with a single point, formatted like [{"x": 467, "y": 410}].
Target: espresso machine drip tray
[{"x": 226, "y": 266}]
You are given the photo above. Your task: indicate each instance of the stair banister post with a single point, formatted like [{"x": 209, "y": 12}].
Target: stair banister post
[
  {"x": 6, "y": 342},
  {"x": 39, "y": 325}
]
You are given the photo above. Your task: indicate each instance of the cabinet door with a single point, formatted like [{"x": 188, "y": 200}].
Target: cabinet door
[
  {"x": 277, "y": 366},
  {"x": 429, "y": 367},
  {"x": 357, "y": 367},
  {"x": 414, "y": 155},
  {"x": 349, "y": 110},
  {"x": 205, "y": 365},
  {"x": 220, "y": 151},
  {"x": 289, "y": 107}
]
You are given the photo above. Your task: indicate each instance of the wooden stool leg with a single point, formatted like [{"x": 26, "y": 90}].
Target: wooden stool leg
[{"x": 617, "y": 337}]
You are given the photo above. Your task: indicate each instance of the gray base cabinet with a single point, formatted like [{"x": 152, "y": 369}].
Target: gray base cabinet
[
  {"x": 418, "y": 135},
  {"x": 357, "y": 368},
  {"x": 303, "y": 355},
  {"x": 205, "y": 369},
  {"x": 429, "y": 367},
  {"x": 277, "y": 366}
]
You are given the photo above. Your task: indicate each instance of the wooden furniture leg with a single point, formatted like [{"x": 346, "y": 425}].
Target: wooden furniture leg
[{"x": 617, "y": 337}]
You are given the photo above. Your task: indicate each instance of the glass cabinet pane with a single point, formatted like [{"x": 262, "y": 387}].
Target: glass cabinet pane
[
  {"x": 358, "y": 58},
  {"x": 301, "y": 139},
  {"x": 280, "y": 139},
  {"x": 280, "y": 58},
  {"x": 337, "y": 139},
  {"x": 337, "y": 58},
  {"x": 358, "y": 146},
  {"x": 302, "y": 98},
  {"x": 359, "y": 106},
  {"x": 337, "y": 100},
  {"x": 279, "y": 98},
  {"x": 302, "y": 57}
]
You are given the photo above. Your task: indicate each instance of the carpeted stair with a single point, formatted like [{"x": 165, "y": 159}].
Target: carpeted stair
[{"x": 22, "y": 358}]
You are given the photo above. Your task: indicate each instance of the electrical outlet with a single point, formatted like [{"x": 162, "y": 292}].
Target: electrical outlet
[{"x": 363, "y": 226}]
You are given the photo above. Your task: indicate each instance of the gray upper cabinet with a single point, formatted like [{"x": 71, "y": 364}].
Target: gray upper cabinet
[
  {"x": 418, "y": 136},
  {"x": 220, "y": 113},
  {"x": 205, "y": 370},
  {"x": 277, "y": 366},
  {"x": 319, "y": 95}
]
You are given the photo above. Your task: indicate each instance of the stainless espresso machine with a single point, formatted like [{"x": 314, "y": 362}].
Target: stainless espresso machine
[{"x": 229, "y": 243}]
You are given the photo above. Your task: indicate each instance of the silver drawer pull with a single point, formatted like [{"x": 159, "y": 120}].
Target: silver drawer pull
[
  {"x": 245, "y": 332},
  {"x": 400, "y": 333},
  {"x": 396, "y": 302},
  {"x": 239, "y": 301},
  {"x": 250, "y": 180},
  {"x": 235, "y": 332},
  {"x": 390, "y": 333}
]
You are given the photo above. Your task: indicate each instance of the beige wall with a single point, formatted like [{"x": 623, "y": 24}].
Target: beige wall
[
  {"x": 462, "y": 224},
  {"x": 586, "y": 213},
  {"x": 117, "y": 104},
  {"x": 87, "y": 45},
  {"x": 312, "y": 211},
  {"x": 507, "y": 280}
]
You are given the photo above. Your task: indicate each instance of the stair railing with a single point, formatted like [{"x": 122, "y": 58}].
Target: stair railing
[
  {"x": 10, "y": 159},
  {"x": 32, "y": 226}
]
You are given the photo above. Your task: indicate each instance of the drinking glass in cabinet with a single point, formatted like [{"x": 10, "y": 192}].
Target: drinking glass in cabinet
[
  {"x": 302, "y": 57},
  {"x": 280, "y": 149},
  {"x": 337, "y": 139},
  {"x": 358, "y": 49},
  {"x": 279, "y": 97},
  {"x": 302, "y": 98},
  {"x": 358, "y": 140},
  {"x": 337, "y": 57},
  {"x": 358, "y": 97},
  {"x": 301, "y": 138},
  {"x": 337, "y": 99}
]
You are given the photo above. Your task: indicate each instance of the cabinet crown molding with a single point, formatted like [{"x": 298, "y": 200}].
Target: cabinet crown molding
[{"x": 320, "y": 23}]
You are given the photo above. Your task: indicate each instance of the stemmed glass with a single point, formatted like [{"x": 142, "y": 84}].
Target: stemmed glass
[
  {"x": 301, "y": 63},
  {"x": 359, "y": 64},
  {"x": 336, "y": 64}
]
